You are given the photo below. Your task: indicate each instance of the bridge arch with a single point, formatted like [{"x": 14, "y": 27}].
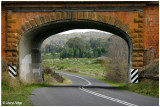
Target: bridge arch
[{"x": 39, "y": 28}]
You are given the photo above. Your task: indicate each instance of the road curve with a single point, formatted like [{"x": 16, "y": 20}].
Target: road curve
[{"x": 81, "y": 93}]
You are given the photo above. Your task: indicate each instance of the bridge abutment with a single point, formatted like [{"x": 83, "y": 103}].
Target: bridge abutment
[{"x": 22, "y": 50}]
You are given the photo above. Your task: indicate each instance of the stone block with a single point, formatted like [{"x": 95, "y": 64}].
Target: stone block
[
  {"x": 10, "y": 59},
  {"x": 74, "y": 15},
  {"x": 9, "y": 25},
  {"x": 9, "y": 54},
  {"x": 140, "y": 35},
  {"x": 137, "y": 54},
  {"x": 14, "y": 63},
  {"x": 137, "y": 59},
  {"x": 11, "y": 20},
  {"x": 138, "y": 30},
  {"x": 11, "y": 35},
  {"x": 42, "y": 19},
  {"x": 9, "y": 16},
  {"x": 28, "y": 25},
  {"x": 134, "y": 35},
  {"x": 32, "y": 22},
  {"x": 85, "y": 15},
  {"x": 140, "y": 25},
  {"x": 58, "y": 16},
  {"x": 23, "y": 28},
  {"x": 20, "y": 31},
  {"x": 140, "y": 15},
  {"x": 14, "y": 54},
  {"x": 80, "y": 15},
  {"x": 12, "y": 40},
  {"x": 37, "y": 20},
  {"x": 111, "y": 20},
  {"x": 134, "y": 64},
  {"x": 91, "y": 15},
  {"x": 53, "y": 16},
  {"x": 138, "y": 20},
  {"x": 47, "y": 18},
  {"x": 137, "y": 40},
  {"x": 11, "y": 44},
  {"x": 140, "y": 64},
  {"x": 11, "y": 48},
  {"x": 130, "y": 31},
  {"x": 11, "y": 30},
  {"x": 126, "y": 27}
]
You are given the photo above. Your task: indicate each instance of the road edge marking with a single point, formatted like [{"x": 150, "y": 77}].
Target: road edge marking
[
  {"x": 89, "y": 83},
  {"x": 107, "y": 97}
]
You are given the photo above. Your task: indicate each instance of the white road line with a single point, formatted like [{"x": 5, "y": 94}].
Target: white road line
[
  {"x": 107, "y": 97},
  {"x": 89, "y": 83},
  {"x": 100, "y": 95}
]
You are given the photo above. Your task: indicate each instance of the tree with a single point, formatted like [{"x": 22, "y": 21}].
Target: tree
[
  {"x": 77, "y": 43},
  {"x": 53, "y": 53}
]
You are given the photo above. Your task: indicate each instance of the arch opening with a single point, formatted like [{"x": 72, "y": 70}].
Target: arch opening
[{"x": 31, "y": 41}]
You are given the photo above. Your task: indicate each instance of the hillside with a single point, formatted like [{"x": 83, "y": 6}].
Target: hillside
[{"x": 61, "y": 39}]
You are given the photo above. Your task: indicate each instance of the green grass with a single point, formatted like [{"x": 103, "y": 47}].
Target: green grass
[
  {"x": 10, "y": 95},
  {"x": 147, "y": 88},
  {"x": 77, "y": 64},
  {"x": 14, "y": 91}
]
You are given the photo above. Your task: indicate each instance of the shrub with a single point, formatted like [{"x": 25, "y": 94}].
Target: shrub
[
  {"x": 56, "y": 76},
  {"x": 117, "y": 71},
  {"x": 46, "y": 70},
  {"x": 60, "y": 67}
]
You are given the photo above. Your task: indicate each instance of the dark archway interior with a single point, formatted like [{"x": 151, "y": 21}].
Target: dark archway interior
[{"x": 31, "y": 41}]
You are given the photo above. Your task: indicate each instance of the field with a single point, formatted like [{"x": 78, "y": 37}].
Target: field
[{"x": 83, "y": 65}]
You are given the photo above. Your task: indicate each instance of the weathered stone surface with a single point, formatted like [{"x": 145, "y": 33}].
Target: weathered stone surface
[
  {"x": 12, "y": 40},
  {"x": 47, "y": 18},
  {"x": 140, "y": 15},
  {"x": 134, "y": 35},
  {"x": 9, "y": 54},
  {"x": 140, "y": 25},
  {"x": 42, "y": 19},
  {"x": 11, "y": 20},
  {"x": 32, "y": 22},
  {"x": 138, "y": 59},
  {"x": 138, "y": 30},
  {"x": 139, "y": 20},
  {"x": 28, "y": 25},
  {"x": 11, "y": 30},
  {"x": 52, "y": 16},
  {"x": 23, "y": 28},
  {"x": 37, "y": 20}
]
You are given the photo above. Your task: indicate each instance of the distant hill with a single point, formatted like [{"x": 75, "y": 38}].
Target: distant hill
[{"x": 61, "y": 39}]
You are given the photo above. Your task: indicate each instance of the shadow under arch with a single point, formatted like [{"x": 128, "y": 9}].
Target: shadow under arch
[{"x": 32, "y": 39}]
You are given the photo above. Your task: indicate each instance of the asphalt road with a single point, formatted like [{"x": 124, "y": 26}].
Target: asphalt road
[{"x": 87, "y": 91}]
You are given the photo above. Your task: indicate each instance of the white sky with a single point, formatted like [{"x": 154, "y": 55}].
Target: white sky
[{"x": 83, "y": 30}]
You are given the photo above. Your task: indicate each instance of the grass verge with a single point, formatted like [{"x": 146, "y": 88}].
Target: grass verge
[{"x": 15, "y": 93}]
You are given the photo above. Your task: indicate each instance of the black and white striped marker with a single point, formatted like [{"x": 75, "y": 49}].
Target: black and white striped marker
[
  {"x": 12, "y": 71},
  {"x": 134, "y": 75}
]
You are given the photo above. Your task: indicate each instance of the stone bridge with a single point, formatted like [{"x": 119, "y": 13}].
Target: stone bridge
[{"x": 25, "y": 25}]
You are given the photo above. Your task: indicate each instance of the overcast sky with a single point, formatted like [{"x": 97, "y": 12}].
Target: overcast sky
[{"x": 82, "y": 30}]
